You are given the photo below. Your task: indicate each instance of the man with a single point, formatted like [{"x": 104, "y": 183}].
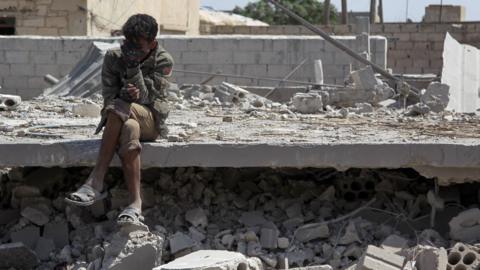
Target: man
[{"x": 135, "y": 109}]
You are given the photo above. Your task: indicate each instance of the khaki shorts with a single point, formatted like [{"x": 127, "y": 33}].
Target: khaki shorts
[{"x": 139, "y": 127}]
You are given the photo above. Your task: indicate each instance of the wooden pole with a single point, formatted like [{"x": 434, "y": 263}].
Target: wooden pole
[
  {"x": 373, "y": 11},
  {"x": 326, "y": 13},
  {"x": 344, "y": 12}
]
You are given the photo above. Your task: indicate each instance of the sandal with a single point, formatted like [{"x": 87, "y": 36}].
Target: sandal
[
  {"x": 86, "y": 195},
  {"x": 130, "y": 215}
]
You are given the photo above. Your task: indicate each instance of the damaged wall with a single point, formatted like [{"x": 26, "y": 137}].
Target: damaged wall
[
  {"x": 25, "y": 60},
  {"x": 406, "y": 41}
]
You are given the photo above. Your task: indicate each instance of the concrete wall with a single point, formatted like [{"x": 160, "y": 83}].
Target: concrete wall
[
  {"x": 412, "y": 48},
  {"x": 25, "y": 60},
  {"x": 46, "y": 17},
  {"x": 179, "y": 17}
]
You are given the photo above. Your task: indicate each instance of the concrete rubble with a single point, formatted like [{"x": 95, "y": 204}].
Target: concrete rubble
[{"x": 205, "y": 218}]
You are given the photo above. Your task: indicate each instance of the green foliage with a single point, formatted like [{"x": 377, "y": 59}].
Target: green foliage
[{"x": 311, "y": 10}]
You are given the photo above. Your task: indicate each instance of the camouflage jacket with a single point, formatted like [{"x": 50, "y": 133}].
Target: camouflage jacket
[{"x": 149, "y": 77}]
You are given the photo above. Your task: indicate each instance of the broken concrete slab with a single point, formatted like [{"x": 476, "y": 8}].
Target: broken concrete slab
[
  {"x": 436, "y": 96},
  {"x": 86, "y": 110},
  {"x": 364, "y": 78},
  {"x": 179, "y": 242},
  {"x": 461, "y": 71},
  {"x": 269, "y": 238},
  {"x": 58, "y": 232},
  {"x": 394, "y": 243},
  {"x": 312, "y": 231},
  {"x": 379, "y": 259},
  {"x": 137, "y": 250},
  {"x": 35, "y": 216},
  {"x": 44, "y": 247},
  {"x": 28, "y": 236},
  {"x": 208, "y": 259},
  {"x": 307, "y": 103},
  {"x": 17, "y": 256}
]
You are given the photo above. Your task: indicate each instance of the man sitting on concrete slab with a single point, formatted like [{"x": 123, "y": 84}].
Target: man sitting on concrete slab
[{"x": 135, "y": 109}]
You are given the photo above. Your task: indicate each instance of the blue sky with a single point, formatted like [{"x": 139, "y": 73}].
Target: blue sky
[{"x": 395, "y": 10}]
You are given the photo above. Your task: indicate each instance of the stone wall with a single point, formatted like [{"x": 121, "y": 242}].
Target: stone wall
[
  {"x": 46, "y": 17},
  {"x": 412, "y": 48},
  {"x": 25, "y": 60}
]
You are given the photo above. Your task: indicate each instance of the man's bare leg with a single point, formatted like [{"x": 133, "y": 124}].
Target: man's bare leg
[
  {"x": 108, "y": 146},
  {"x": 131, "y": 171}
]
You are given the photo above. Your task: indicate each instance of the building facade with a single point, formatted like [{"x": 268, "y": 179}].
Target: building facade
[{"x": 94, "y": 17}]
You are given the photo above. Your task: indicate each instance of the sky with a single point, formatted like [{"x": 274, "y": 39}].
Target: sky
[{"x": 395, "y": 10}]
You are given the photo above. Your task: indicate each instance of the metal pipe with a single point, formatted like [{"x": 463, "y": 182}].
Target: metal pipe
[
  {"x": 256, "y": 78},
  {"x": 380, "y": 11},
  {"x": 339, "y": 45},
  {"x": 373, "y": 11}
]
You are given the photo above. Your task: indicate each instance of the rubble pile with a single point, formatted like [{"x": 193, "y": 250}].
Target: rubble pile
[{"x": 269, "y": 218}]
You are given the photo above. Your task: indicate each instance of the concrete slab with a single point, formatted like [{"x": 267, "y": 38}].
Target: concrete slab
[
  {"x": 208, "y": 259},
  {"x": 461, "y": 71}
]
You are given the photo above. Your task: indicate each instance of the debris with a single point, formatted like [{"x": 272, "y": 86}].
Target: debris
[
  {"x": 86, "y": 110},
  {"x": 269, "y": 238},
  {"x": 380, "y": 259},
  {"x": 209, "y": 259},
  {"x": 283, "y": 243},
  {"x": 364, "y": 78},
  {"x": 312, "y": 231},
  {"x": 307, "y": 103},
  {"x": 37, "y": 217},
  {"x": 137, "y": 250},
  {"x": 418, "y": 109},
  {"x": 9, "y": 102},
  {"x": 28, "y": 236},
  {"x": 197, "y": 217},
  {"x": 17, "y": 256},
  {"x": 436, "y": 96},
  {"x": 394, "y": 243},
  {"x": 58, "y": 232},
  {"x": 466, "y": 226},
  {"x": 44, "y": 247},
  {"x": 180, "y": 242},
  {"x": 431, "y": 258}
]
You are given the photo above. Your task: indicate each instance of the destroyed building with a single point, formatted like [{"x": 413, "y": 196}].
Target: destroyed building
[{"x": 283, "y": 152}]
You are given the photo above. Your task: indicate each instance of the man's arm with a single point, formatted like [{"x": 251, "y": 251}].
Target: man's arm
[{"x": 110, "y": 81}]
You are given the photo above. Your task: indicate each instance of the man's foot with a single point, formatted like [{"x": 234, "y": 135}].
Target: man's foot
[
  {"x": 130, "y": 215},
  {"x": 86, "y": 195}
]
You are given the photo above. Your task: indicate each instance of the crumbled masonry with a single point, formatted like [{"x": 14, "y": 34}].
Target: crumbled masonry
[{"x": 265, "y": 218}]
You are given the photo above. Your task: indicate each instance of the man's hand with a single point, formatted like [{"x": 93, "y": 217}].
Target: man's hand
[
  {"x": 133, "y": 91},
  {"x": 130, "y": 93}
]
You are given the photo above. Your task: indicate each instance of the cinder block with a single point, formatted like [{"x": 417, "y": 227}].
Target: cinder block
[
  {"x": 254, "y": 70},
  {"x": 48, "y": 44},
  {"x": 22, "y": 69},
  {"x": 250, "y": 45},
  {"x": 28, "y": 94},
  {"x": 280, "y": 45},
  {"x": 15, "y": 82},
  {"x": 4, "y": 70},
  {"x": 220, "y": 57},
  {"x": 173, "y": 44},
  {"x": 70, "y": 58},
  {"x": 273, "y": 58},
  {"x": 71, "y": 45},
  {"x": 199, "y": 67},
  {"x": 37, "y": 83},
  {"x": 278, "y": 71},
  {"x": 314, "y": 45},
  {"x": 194, "y": 57},
  {"x": 246, "y": 57},
  {"x": 18, "y": 43},
  {"x": 44, "y": 69},
  {"x": 44, "y": 57},
  {"x": 200, "y": 44},
  {"x": 228, "y": 45},
  {"x": 410, "y": 27},
  {"x": 17, "y": 57}
]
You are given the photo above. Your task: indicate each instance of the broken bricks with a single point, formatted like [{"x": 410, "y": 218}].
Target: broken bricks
[{"x": 17, "y": 256}]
